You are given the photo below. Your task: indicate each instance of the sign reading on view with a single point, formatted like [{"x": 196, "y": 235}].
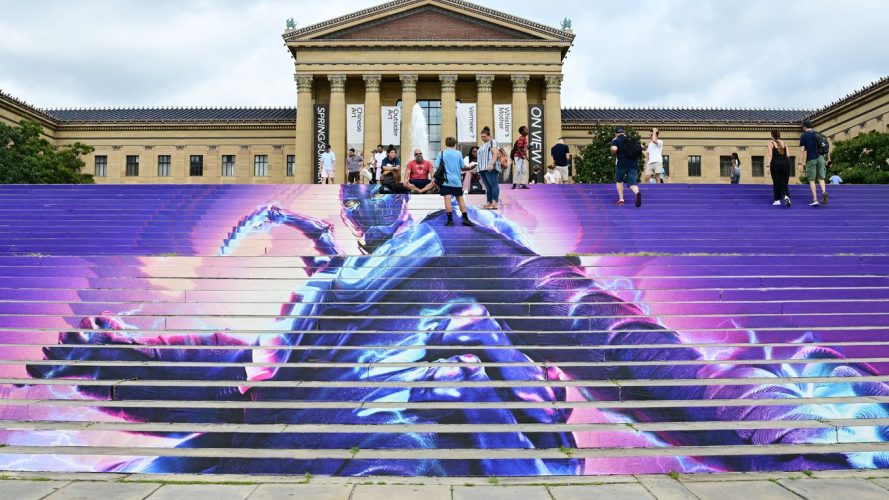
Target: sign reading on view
[{"x": 535, "y": 137}]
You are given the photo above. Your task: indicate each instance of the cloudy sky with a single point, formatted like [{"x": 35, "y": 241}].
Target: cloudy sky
[{"x": 742, "y": 53}]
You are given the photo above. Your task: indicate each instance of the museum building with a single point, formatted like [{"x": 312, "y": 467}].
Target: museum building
[{"x": 358, "y": 78}]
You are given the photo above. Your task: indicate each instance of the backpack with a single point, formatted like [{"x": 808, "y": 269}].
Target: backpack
[
  {"x": 634, "y": 147},
  {"x": 823, "y": 144}
]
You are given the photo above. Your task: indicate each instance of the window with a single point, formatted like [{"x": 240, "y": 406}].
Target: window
[
  {"x": 291, "y": 160},
  {"x": 725, "y": 166},
  {"x": 667, "y": 165},
  {"x": 228, "y": 165},
  {"x": 758, "y": 163},
  {"x": 101, "y": 166},
  {"x": 261, "y": 166},
  {"x": 196, "y": 166},
  {"x": 694, "y": 166},
  {"x": 163, "y": 165},
  {"x": 132, "y": 166}
]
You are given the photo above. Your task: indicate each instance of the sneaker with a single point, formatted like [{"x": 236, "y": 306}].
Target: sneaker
[
  {"x": 467, "y": 223},
  {"x": 620, "y": 202},
  {"x": 824, "y": 198},
  {"x": 787, "y": 201},
  {"x": 513, "y": 186},
  {"x": 639, "y": 199},
  {"x": 777, "y": 203},
  {"x": 450, "y": 222},
  {"x": 525, "y": 186},
  {"x": 815, "y": 204}
]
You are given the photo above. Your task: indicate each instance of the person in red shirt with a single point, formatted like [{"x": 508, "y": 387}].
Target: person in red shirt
[
  {"x": 520, "y": 155},
  {"x": 419, "y": 174}
]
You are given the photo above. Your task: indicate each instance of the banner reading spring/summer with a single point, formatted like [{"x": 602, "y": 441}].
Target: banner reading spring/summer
[
  {"x": 503, "y": 123},
  {"x": 466, "y": 122},
  {"x": 355, "y": 126},
  {"x": 391, "y": 125}
]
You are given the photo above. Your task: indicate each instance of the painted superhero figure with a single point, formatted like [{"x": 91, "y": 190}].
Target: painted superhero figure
[{"x": 487, "y": 308}]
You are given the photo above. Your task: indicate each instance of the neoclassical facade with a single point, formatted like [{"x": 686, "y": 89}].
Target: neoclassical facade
[{"x": 358, "y": 77}]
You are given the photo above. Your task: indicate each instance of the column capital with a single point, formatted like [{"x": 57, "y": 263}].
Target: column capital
[
  {"x": 448, "y": 83},
  {"x": 553, "y": 83},
  {"x": 520, "y": 83},
  {"x": 408, "y": 82},
  {"x": 485, "y": 82},
  {"x": 304, "y": 82},
  {"x": 372, "y": 82},
  {"x": 337, "y": 83}
]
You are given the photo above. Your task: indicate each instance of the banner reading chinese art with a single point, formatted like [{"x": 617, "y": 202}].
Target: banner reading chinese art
[
  {"x": 391, "y": 125},
  {"x": 355, "y": 126}
]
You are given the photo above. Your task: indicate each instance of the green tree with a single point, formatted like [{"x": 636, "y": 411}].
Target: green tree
[
  {"x": 594, "y": 163},
  {"x": 863, "y": 159},
  {"x": 28, "y": 158}
]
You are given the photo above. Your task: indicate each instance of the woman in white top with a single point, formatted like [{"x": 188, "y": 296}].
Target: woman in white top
[{"x": 470, "y": 168}]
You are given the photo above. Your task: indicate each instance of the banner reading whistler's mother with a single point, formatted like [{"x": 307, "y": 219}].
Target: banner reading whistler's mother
[{"x": 322, "y": 136}]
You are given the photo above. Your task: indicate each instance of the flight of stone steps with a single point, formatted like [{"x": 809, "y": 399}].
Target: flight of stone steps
[{"x": 338, "y": 331}]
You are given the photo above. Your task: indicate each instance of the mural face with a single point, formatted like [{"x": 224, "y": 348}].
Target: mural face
[{"x": 384, "y": 306}]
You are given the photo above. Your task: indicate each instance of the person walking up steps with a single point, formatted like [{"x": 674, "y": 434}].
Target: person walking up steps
[
  {"x": 452, "y": 186},
  {"x": 628, "y": 151},
  {"x": 814, "y": 146},
  {"x": 779, "y": 167}
]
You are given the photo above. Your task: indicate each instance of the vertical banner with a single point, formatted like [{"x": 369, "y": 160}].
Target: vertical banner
[
  {"x": 536, "y": 151},
  {"x": 466, "y": 119},
  {"x": 322, "y": 137},
  {"x": 355, "y": 126},
  {"x": 503, "y": 124},
  {"x": 391, "y": 125}
]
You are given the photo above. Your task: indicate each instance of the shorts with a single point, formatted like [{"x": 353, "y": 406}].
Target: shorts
[
  {"x": 451, "y": 191},
  {"x": 354, "y": 177},
  {"x": 816, "y": 170},
  {"x": 420, "y": 183},
  {"x": 626, "y": 173},
  {"x": 654, "y": 168},
  {"x": 326, "y": 174},
  {"x": 564, "y": 172}
]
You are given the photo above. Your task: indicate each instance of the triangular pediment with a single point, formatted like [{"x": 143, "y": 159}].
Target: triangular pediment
[{"x": 428, "y": 20}]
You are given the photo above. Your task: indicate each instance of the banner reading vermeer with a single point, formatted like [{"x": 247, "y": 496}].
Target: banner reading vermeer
[{"x": 466, "y": 120}]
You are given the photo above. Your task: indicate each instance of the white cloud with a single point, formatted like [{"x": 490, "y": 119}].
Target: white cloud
[{"x": 755, "y": 53}]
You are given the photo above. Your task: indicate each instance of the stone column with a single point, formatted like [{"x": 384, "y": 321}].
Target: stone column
[
  {"x": 338, "y": 125},
  {"x": 372, "y": 133},
  {"x": 448, "y": 107},
  {"x": 306, "y": 165},
  {"x": 552, "y": 123},
  {"x": 519, "y": 103},
  {"x": 408, "y": 99},
  {"x": 485, "y": 103}
]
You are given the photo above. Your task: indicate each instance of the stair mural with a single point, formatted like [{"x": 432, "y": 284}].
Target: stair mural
[{"x": 340, "y": 331}]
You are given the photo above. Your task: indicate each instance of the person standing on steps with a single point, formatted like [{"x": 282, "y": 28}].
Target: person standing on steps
[
  {"x": 561, "y": 158},
  {"x": 452, "y": 186},
  {"x": 327, "y": 163},
  {"x": 654, "y": 167},
  {"x": 778, "y": 164},
  {"x": 628, "y": 152},
  {"x": 489, "y": 168},
  {"x": 520, "y": 159},
  {"x": 377, "y": 167},
  {"x": 736, "y": 169},
  {"x": 354, "y": 162},
  {"x": 816, "y": 167}
]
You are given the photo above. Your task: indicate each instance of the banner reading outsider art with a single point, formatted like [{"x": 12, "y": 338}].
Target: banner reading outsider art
[{"x": 368, "y": 271}]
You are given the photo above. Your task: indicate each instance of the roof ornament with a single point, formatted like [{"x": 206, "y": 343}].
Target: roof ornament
[
  {"x": 566, "y": 24},
  {"x": 291, "y": 24}
]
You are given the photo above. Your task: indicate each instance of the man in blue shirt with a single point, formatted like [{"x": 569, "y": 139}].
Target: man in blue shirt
[
  {"x": 627, "y": 169},
  {"x": 816, "y": 166},
  {"x": 453, "y": 180}
]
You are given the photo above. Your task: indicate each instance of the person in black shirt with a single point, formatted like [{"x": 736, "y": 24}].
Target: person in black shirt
[
  {"x": 561, "y": 157},
  {"x": 627, "y": 169}
]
